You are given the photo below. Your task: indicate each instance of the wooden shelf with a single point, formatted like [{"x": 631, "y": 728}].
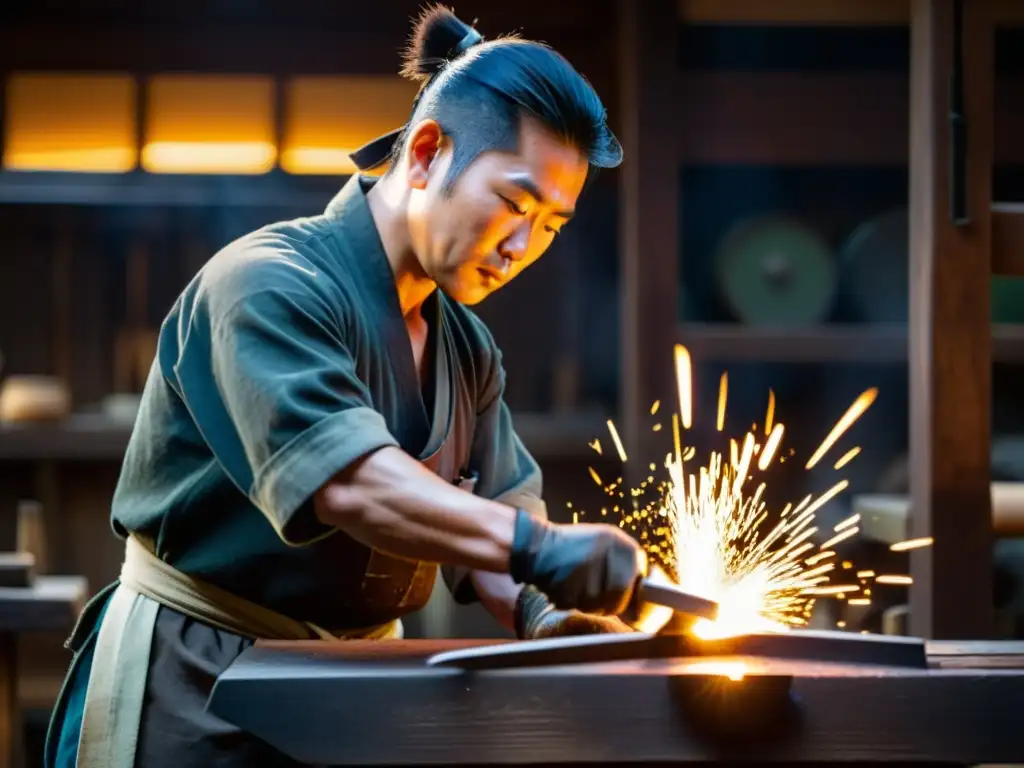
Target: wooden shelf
[
  {"x": 277, "y": 189},
  {"x": 93, "y": 437},
  {"x": 820, "y": 12},
  {"x": 836, "y": 344}
]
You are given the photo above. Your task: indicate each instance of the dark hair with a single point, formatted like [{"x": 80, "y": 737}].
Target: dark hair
[{"x": 478, "y": 92}]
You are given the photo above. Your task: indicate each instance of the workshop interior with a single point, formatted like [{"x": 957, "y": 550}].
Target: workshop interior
[{"x": 804, "y": 283}]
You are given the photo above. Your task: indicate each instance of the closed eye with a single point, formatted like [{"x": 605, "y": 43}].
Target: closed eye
[{"x": 512, "y": 206}]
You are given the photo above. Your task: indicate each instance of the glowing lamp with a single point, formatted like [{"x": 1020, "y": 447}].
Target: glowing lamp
[
  {"x": 326, "y": 118},
  {"x": 70, "y": 122},
  {"x": 210, "y": 125}
]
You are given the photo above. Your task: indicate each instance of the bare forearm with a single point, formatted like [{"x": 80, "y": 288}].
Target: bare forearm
[
  {"x": 498, "y": 594},
  {"x": 389, "y": 501}
]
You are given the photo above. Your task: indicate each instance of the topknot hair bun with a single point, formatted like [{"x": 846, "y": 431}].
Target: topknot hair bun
[{"x": 438, "y": 37}]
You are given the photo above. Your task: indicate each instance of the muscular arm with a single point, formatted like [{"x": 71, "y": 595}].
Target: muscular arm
[
  {"x": 498, "y": 594},
  {"x": 389, "y": 501}
]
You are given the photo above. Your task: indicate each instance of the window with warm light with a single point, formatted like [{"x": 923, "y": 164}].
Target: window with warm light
[
  {"x": 208, "y": 124},
  {"x": 70, "y": 122},
  {"x": 326, "y": 118}
]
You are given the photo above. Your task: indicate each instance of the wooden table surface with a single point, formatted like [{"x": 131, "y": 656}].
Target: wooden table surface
[
  {"x": 51, "y": 603},
  {"x": 377, "y": 703}
]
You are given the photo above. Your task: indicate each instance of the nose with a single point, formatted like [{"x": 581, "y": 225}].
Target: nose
[{"x": 517, "y": 244}]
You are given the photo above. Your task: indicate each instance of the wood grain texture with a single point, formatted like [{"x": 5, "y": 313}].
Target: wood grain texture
[
  {"x": 333, "y": 705},
  {"x": 52, "y": 602},
  {"x": 1008, "y": 239},
  {"x": 800, "y": 645},
  {"x": 748, "y": 118},
  {"x": 648, "y": 210},
  {"x": 820, "y": 12},
  {"x": 950, "y": 336}
]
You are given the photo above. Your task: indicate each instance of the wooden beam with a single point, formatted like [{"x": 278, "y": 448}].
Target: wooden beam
[
  {"x": 649, "y": 212},
  {"x": 950, "y": 340},
  {"x": 749, "y": 117},
  {"x": 821, "y": 12},
  {"x": 366, "y": 42},
  {"x": 1008, "y": 239},
  {"x": 809, "y": 12}
]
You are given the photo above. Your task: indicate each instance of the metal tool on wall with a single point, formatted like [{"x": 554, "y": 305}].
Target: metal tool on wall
[{"x": 776, "y": 271}]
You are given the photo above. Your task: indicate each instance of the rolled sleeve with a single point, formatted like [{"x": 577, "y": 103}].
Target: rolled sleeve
[{"x": 272, "y": 385}]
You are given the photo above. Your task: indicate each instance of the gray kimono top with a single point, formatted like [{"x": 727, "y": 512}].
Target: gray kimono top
[{"x": 285, "y": 360}]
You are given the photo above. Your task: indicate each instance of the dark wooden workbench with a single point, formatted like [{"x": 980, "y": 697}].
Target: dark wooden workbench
[
  {"x": 376, "y": 703},
  {"x": 51, "y": 603}
]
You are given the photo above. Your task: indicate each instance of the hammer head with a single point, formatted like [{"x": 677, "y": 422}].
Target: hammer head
[{"x": 657, "y": 602}]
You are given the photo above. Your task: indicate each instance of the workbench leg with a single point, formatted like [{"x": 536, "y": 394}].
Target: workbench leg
[{"x": 11, "y": 735}]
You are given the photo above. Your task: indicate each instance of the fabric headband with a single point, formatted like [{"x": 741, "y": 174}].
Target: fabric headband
[{"x": 377, "y": 152}]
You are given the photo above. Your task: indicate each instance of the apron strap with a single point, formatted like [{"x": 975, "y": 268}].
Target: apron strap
[
  {"x": 114, "y": 696},
  {"x": 148, "y": 575},
  {"x": 117, "y": 683}
]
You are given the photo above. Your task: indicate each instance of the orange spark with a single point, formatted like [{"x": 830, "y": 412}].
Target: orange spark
[
  {"x": 615, "y": 439},
  {"x": 685, "y": 385},
  {"x": 903, "y": 546},
  {"x": 854, "y": 412},
  {"x": 770, "y": 447},
  {"x": 846, "y": 458},
  {"x": 723, "y": 390}
]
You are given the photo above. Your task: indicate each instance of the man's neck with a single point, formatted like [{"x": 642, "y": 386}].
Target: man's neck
[{"x": 387, "y": 206}]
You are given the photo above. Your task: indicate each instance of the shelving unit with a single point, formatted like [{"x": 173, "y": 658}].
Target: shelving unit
[
  {"x": 141, "y": 189},
  {"x": 950, "y": 344},
  {"x": 94, "y": 437},
  {"x": 866, "y": 344}
]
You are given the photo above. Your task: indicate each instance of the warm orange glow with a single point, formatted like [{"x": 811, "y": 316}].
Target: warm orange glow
[
  {"x": 734, "y": 670},
  {"x": 210, "y": 124},
  {"x": 326, "y": 118},
  {"x": 77, "y": 123}
]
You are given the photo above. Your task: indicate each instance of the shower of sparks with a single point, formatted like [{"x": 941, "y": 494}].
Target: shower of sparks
[
  {"x": 655, "y": 406},
  {"x": 596, "y": 445},
  {"x": 711, "y": 530},
  {"x": 903, "y": 546}
]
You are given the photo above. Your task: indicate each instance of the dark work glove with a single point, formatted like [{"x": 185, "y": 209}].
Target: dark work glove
[
  {"x": 588, "y": 567},
  {"x": 536, "y": 618}
]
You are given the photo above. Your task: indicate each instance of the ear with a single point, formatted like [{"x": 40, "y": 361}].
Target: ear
[{"x": 423, "y": 146}]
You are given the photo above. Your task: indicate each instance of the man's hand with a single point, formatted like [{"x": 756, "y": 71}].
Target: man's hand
[
  {"x": 593, "y": 568},
  {"x": 536, "y": 618}
]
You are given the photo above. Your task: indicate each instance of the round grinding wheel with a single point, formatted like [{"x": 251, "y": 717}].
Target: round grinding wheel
[
  {"x": 1007, "y": 299},
  {"x": 874, "y": 261},
  {"x": 774, "y": 271}
]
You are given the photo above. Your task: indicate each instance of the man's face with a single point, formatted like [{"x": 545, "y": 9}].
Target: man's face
[{"x": 502, "y": 214}]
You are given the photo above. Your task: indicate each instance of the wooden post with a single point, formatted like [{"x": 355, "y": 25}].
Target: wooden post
[
  {"x": 649, "y": 215},
  {"x": 950, "y": 328}
]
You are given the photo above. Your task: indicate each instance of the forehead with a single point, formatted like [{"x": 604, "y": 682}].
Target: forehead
[{"x": 558, "y": 168}]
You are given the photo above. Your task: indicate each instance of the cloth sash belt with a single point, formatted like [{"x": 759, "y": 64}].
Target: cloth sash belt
[{"x": 117, "y": 680}]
